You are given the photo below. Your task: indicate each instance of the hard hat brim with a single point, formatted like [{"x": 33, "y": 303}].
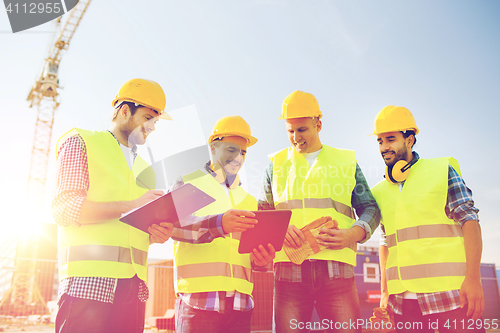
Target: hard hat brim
[
  {"x": 397, "y": 130},
  {"x": 317, "y": 116},
  {"x": 166, "y": 116},
  {"x": 163, "y": 114},
  {"x": 250, "y": 139}
]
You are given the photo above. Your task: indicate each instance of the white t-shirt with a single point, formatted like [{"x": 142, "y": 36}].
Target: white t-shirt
[
  {"x": 311, "y": 157},
  {"x": 129, "y": 155}
]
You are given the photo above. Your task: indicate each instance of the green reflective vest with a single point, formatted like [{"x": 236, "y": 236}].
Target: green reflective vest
[
  {"x": 426, "y": 248},
  {"x": 215, "y": 266},
  {"x": 108, "y": 248},
  {"x": 323, "y": 189}
]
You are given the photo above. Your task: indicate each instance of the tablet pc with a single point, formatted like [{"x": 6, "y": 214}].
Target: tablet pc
[
  {"x": 170, "y": 207},
  {"x": 271, "y": 228}
]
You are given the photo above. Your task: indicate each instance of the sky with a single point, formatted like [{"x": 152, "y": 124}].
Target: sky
[{"x": 219, "y": 58}]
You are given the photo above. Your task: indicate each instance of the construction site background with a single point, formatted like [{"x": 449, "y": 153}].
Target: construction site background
[
  {"x": 40, "y": 314},
  {"x": 29, "y": 284}
]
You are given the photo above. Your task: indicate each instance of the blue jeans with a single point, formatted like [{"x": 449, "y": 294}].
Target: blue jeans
[
  {"x": 124, "y": 315},
  {"x": 336, "y": 301},
  {"x": 191, "y": 320}
]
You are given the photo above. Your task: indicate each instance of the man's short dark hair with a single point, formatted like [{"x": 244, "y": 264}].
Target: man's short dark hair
[
  {"x": 407, "y": 133},
  {"x": 133, "y": 108},
  {"x": 216, "y": 141}
]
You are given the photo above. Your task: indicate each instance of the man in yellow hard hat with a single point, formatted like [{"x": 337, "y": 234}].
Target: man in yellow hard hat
[
  {"x": 431, "y": 248},
  {"x": 314, "y": 181},
  {"x": 213, "y": 281},
  {"x": 103, "y": 262}
]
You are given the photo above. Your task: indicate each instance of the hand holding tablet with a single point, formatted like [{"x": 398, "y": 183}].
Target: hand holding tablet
[
  {"x": 270, "y": 229},
  {"x": 262, "y": 255},
  {"x": 235, "y": 220}
]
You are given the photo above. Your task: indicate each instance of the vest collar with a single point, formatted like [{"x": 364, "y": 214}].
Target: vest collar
[
  {"x": 293, "y": 154},
  {"x": 132, "y": 152},
  {"x": 218, "y": 173},
  {"x": 133, "y": 149}
]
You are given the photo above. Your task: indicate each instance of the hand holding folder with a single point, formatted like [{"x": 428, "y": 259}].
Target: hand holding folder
[{"x": 170, "y": 207}]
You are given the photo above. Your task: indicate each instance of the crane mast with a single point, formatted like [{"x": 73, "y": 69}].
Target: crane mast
[
  {"x": 24, "y": 295},
  {"x": 45, "y": 97}
]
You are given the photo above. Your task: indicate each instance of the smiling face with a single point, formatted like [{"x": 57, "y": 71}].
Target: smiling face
[
  {"x": 303, "y": 134},
  {"x": 139, "y": 125},
  {"x": 394, "y": 147},
  {"x": 229, "y": 153}
]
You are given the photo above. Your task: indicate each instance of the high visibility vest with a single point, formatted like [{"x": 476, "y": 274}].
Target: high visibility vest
[
  {"x": 108, "y": 248},
  {"x": 323, "y": 189},
  {"x": 426, "y": 248},
  {"x": 215, "y": 266}
]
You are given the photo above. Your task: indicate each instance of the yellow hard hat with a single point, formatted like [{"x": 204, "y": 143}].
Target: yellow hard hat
[
  {"x": 394, "y": 119},
  {"x": 147, "y": 93},
  {"x": 232, "y": 126},
  {"x": 300, "y": 104}
]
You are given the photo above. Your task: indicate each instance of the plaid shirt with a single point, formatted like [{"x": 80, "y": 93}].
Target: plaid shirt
[
  {"x": 361, "y": 200},
  {"x": 214, "y": 300},
  {"x": 72, "y": 184},
  {"x": 460, "y": 208}
]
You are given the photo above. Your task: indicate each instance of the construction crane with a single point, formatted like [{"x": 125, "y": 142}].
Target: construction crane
[
  {"x": 24, "y": 294},
  {"x": 44, "y": 96}
]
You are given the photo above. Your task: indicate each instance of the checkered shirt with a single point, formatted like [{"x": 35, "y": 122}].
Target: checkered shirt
[
  {"x": 460, "y": 208},
  {"x": 429, "y": 303},
  {"x": 216, "y": 301}
]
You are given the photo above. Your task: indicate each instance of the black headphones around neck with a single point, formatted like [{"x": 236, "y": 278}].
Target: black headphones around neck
[{"x": 398, "y": 172}]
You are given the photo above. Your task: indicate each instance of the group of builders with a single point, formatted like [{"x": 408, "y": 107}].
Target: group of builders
[{"x": 429, "y": 255}]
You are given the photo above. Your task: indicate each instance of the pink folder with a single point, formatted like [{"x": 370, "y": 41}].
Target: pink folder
[{"x": 170, "y": 207}]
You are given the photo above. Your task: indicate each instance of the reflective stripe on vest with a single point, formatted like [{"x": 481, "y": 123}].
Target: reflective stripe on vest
[
  {"x": 443, "y": 269},
  {"x": 423, "y": 258},
  {"x": 213, "y": 269},
  {"x": 425, "y": 231},
  {"x": 108, "y": 248},
  {"x": 321, "y": 203},
  {"x": 311, "y": 192},
  {"x": 104, "y": 253},
  {"x": 215, "y": 266}
]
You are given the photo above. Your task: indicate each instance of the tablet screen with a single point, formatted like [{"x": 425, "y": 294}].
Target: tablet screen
[{"x": 271, "y": 228}]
